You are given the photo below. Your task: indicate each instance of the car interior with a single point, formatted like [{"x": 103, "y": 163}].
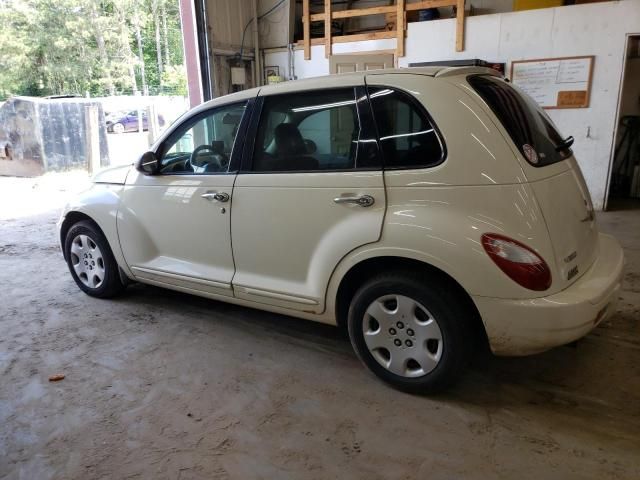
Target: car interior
[
  {"x": 214, "y": 135},
  {"x": 307, "y": 132}
]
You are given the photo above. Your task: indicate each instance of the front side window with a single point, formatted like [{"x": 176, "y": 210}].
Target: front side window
[
  {"x": 205, "y": 144},
  {"x": 407, "y": 136},
  {"x": 307, "y": 132},
  {"x": 527, "y": 123}
]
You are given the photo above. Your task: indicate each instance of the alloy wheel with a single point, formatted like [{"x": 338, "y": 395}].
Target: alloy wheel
[
  {"x": 87, "y": 261},
  {"x": 402, "y": 336}
]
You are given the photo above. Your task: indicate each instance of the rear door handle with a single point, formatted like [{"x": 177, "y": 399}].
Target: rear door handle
[
  {"x": 219, "y": 196},
  {"x": 362, "y": 200}
]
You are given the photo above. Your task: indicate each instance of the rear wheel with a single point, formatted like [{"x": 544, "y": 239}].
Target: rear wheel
[
  {"x": 410, "y": 333},
  {"x": 91, "y": 262},
  {"x": 118, "y": 128}
]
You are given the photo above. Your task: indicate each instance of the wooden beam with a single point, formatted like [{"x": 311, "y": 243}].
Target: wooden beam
[
  {"x": 460, "y": 26},
  {"x": 306, "y": 33},
  {"x": 356, "y": 12},
  {"x": 430, "y": 4},
  {"x": 363, "y": 12},
  {"x": 359, "y": 37},
  {"x": 327, "y": 28},
  {"x": 400, "y": 28}
]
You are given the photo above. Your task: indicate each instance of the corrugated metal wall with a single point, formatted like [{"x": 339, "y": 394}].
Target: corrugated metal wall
[{"x": 227, "y": 20}]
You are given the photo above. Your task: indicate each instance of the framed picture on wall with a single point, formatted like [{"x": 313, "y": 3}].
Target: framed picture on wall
[{"x": 271, "y": 72}]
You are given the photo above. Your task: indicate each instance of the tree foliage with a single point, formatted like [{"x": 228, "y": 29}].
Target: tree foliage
[{"x": 55, "y": 47}]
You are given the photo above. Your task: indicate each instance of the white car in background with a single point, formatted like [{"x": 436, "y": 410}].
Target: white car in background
[{"x": 425, "y": 209}]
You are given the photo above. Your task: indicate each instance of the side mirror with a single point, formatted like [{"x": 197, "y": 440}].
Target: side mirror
[{"x": 148, "y": 164}]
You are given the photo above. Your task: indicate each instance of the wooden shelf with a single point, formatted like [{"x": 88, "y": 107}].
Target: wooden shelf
[{"x": 400, "y": 9}]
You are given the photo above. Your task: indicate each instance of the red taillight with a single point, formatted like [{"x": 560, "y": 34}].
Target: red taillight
[{"x": 519, "y": 262}]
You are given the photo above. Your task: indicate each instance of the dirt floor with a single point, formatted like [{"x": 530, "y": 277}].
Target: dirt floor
[{"x": 165, "y": 385}]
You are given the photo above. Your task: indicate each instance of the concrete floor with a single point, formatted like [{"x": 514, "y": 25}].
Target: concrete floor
[{"x": 165, "y": 385}]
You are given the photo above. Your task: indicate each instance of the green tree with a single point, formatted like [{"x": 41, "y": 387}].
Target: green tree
[
  {"x": 18, "y": 74},
  {"x": 174, "y": 80},
  {"x": 76, "y": 46}
]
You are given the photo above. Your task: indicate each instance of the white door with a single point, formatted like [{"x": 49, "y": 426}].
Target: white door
[
  {"x": 174, "y": 228},
  {"x": 312, "y": 193},
  {"x": 360, "y": 63}
]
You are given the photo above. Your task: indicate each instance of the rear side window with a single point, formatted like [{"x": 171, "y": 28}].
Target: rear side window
[
  {"x": 527, "y": 123},
  {"x": 308, "y": 131},
  {"x": 407, "y": 136}
]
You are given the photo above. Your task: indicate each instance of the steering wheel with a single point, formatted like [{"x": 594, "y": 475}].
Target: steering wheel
[
  {"x": 310, "y": 146},
  {"x": 193, "y": 158}
]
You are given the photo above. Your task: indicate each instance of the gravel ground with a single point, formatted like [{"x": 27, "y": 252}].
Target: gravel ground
[{"x": 165, "y": 385}]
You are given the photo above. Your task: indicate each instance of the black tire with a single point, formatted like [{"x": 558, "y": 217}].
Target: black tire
[
  {"x": 446, "y": 308},
  {"x": 110, "y": 284}
]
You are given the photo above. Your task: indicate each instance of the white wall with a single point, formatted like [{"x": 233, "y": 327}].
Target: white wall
[
  {"x": 592, "y": 29},
  {"x": 319, "y": 65}
]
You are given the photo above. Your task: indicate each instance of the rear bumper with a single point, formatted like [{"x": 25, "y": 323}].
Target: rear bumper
[{"x": 523, "y": 327}]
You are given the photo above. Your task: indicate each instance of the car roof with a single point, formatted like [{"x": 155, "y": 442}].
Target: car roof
[{"x": 340, "y": 80}]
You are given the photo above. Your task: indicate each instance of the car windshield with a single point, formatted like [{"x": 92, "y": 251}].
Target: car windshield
[{"x": 527, "y": 123}]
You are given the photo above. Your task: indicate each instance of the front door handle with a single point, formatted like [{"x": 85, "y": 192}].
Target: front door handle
[
  {"x": 362, "y": 200},
  {"x": 219, "y": 196}
]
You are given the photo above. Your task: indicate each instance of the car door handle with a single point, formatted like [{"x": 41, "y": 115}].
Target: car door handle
[
  {"x": 362, "y": 200},
  {"x": 219, "y": 196}
]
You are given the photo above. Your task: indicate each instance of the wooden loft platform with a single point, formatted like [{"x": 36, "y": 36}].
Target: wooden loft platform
[{"x": 400, "y": 9}]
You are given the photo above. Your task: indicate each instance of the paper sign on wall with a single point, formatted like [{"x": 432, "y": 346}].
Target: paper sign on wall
[{"x": 555, "y": 82}]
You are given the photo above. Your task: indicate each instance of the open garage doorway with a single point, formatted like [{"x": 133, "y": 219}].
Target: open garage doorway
[{"x": 624, "y": 178}]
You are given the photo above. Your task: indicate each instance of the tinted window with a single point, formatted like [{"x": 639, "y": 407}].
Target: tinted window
[
  {"x": 204, "y": 145},
  {"x": 527, "y": 123},
  {"x": 407, "y": 137},
  {"x": 307, "y": 131}
]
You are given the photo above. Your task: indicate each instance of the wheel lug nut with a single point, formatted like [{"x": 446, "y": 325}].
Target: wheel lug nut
[
  {"x": 409, "y": 332},
  {"x": 397, "y": 342},
  {"x": 409, "y": 343},
  {"x": 392, "y": 331},
  {"x": 86, "y": 263},
  {"x": 400, "y": 325}
]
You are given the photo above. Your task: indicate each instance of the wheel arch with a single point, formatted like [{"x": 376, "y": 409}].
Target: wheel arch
[
  {"x": 359, "y": 272},
  {"x": 74, "y": 216},
  {"x": 70, "y": 219}
]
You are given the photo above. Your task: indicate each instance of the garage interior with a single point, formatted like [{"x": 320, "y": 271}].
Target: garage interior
[{"x": 160, "y": 384}]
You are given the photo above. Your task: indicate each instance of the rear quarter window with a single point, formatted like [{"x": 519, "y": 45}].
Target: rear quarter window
[
  {"x": 408, "y": 136},
  {"x": 528, "y": 125}
]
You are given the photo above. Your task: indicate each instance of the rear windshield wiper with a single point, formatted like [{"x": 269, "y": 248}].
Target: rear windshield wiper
[{"x": 566, "y": 143}]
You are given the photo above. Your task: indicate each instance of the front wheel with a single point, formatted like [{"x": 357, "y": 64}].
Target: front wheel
[
  {"x": 409, "y": 332},
  {"x": 91, "y": 262},
  {"x": 118, "y": 128}
]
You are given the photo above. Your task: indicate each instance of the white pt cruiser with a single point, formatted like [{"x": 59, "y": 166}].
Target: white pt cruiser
[{"x": 424, "y": 209}]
